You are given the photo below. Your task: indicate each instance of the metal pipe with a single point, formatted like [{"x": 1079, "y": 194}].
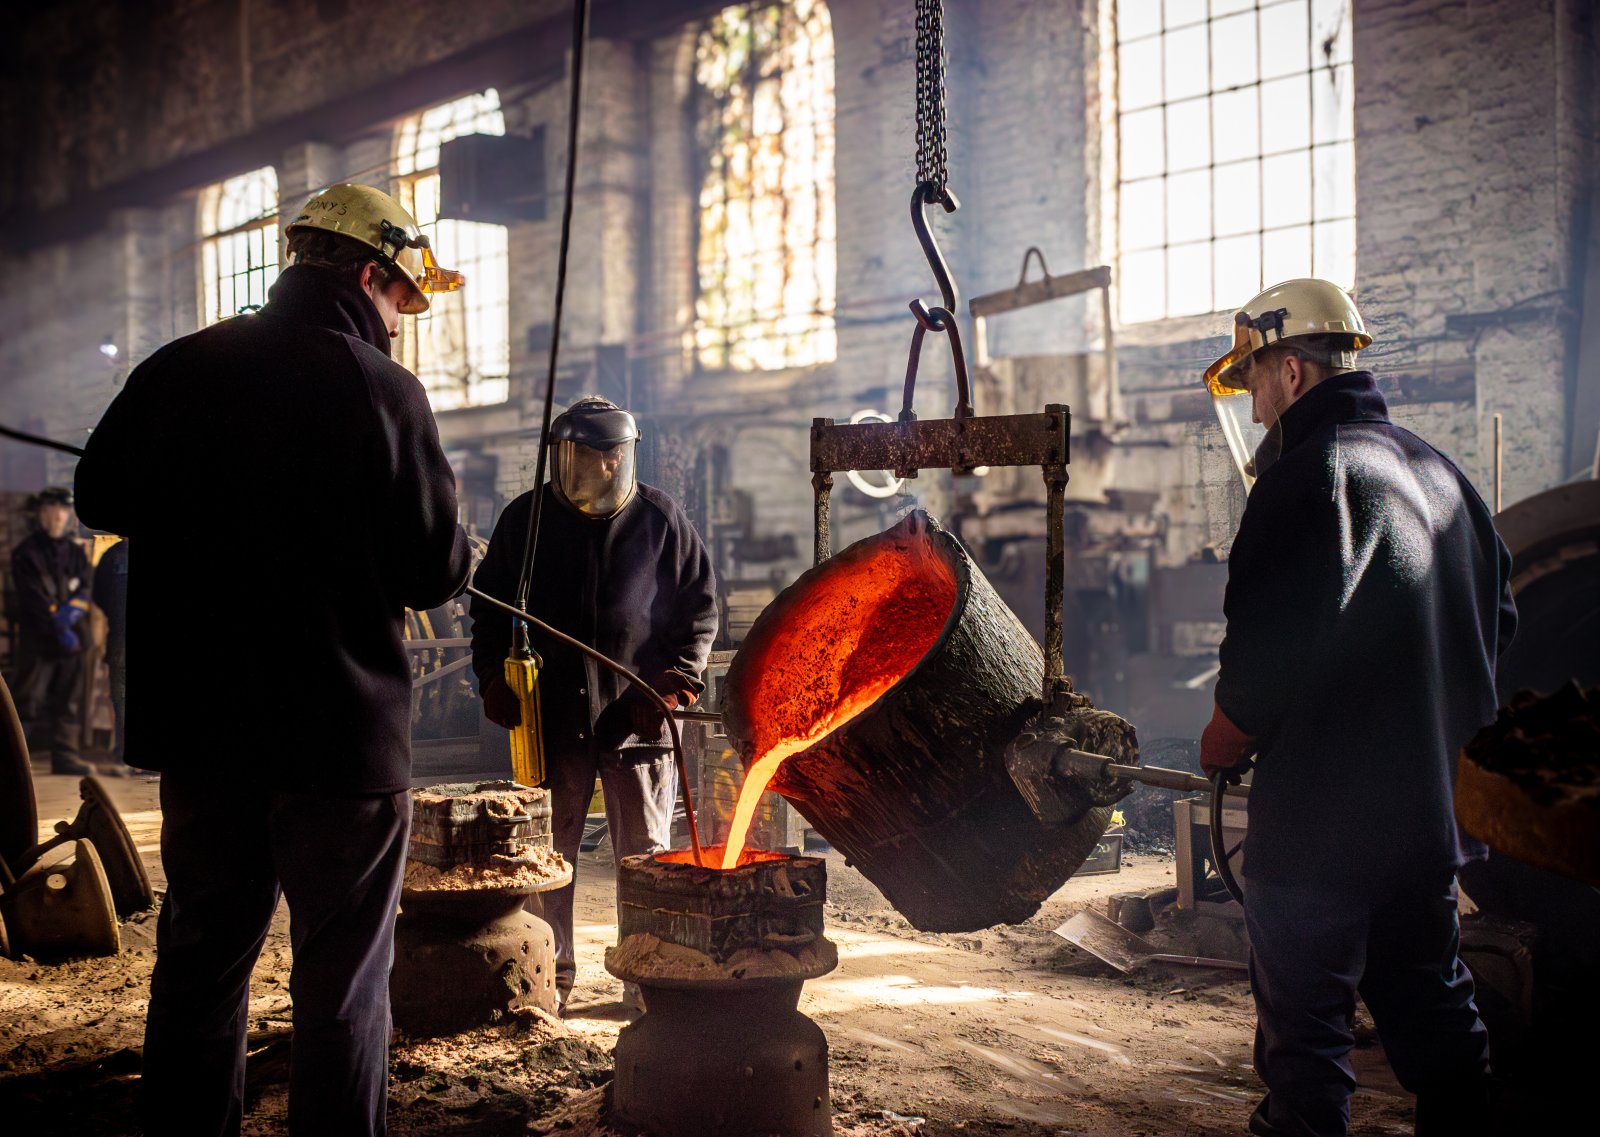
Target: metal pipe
[{"x": 1157, "y": 776}]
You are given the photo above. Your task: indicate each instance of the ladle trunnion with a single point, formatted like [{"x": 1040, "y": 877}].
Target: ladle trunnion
[{"x": 945, "y": 790}]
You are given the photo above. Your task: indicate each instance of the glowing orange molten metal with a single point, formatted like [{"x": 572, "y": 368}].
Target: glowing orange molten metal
[
  {"x": 859, "y": 625},
  {"x": 713, "y": 855}
]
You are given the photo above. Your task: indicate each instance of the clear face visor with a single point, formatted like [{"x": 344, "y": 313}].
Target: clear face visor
[
  {"x": 1243, "y": 435},
  {"x": 597, "y": 483}
]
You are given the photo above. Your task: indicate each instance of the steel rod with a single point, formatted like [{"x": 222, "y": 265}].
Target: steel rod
[{"x": 1148, "y": 775}]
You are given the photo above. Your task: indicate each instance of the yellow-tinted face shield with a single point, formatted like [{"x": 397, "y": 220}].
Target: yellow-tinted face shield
[{"x": 1226, "y": 375}]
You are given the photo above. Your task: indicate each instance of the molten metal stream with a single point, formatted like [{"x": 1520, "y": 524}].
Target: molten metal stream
[
  {"x": 849, "y": 635},
  {"x": 763, "y": 768}
]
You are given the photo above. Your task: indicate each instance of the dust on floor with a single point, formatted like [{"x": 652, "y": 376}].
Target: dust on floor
[{"x": 1008, "y": 1031}]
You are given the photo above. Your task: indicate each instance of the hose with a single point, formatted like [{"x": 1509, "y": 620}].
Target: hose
[
  {"x": 638, "y": 684},
  {"x": 1219, "y": 849}
]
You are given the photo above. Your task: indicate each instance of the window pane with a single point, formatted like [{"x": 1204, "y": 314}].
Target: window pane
[
  {"x": 1335, "y": 253},
  {"x": 1235, "y": 129},
  {"x": 1139, "y": 75},
  {"x": 1335, "y": 185},
  {"x": 1142, "y": 215},
  {"x": 1180, "y": 12},
  {"x": 1333, "y": 105},
  {"x": 1285, "y": 254},
  {"x": 1285, "y": 115},
  {"x": 1188, "y": 135},
  {"x": 1141, "y": 144},
  {"x": 1238, "y": 270},
  {"x": 1189, "y": 279},
  {"x": 1189, "y": 206},
  {"x": 1143, "y": 287},
  {"x": 1285, "y": 39},
  {"x": 1186, "y": 65},
  {"x": 766, "y": 259},
  {"x": 1228, "y": 182},
  {"x": 1238, "y": 198},
  {"x": 1138, "y": 18},
  {"x": 1233, "y": 52},
  {"x": 1330, "y": 32},
  {"x": 1286, "y": 189}
]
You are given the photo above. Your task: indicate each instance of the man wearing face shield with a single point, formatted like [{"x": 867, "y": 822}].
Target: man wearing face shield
[
  {"x": 1367, "y": 602},
  {"x": 619, "y": 566}
]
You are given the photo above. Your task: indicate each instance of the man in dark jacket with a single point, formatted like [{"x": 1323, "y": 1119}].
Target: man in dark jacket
[
  {"x": 279, "y": 712},
  {"x": 619, "y": 567},
  {"x": 1367, "y": 602},
  {"x": 50, "y": 573}
]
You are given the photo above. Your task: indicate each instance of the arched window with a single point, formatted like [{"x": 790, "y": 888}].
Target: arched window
[
  {"x": 461, "y": 347},
  {"x": 239, "y": 244},
  {"x": 767, "y": 254}
]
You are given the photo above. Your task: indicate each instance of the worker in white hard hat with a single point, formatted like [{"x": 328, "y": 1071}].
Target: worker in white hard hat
[
  {"x": 315, "y": 460},
  {"x": 1367, "y": 602}
]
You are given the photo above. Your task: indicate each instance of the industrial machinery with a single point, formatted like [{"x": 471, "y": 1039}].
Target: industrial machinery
[{"x": 55, "y": 909}]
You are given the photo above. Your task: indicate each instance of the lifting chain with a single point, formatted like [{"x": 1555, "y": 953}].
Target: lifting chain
[
  {"x": 932, "y": 158},
  {"x": 933, "y": 189}
]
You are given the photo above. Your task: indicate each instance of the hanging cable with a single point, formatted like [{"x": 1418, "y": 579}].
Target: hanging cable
[
  {"x": 530, "y": 545},
  {"x": 38, "y": 440}
]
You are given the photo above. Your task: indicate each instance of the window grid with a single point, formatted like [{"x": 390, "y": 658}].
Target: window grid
[
  {"x": 461, "y": 347},
  {"x": 1204, "y": 221},
  {"x": 767, "y": 248},
  {"x": 239, "y": 245}
]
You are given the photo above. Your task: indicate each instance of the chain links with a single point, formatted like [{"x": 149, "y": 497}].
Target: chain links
[{"x": 932, "y": 158}]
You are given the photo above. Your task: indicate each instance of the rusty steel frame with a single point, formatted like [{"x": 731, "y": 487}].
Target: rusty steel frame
[{"x": 959, "y": 445}]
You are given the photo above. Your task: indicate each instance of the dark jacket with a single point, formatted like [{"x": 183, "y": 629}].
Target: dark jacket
[
  {"x": 637, "y": 587},
  {"x": 110, "y": 595},
  {"x": 288, "y": 499},
  {"x": 1367, "y": 602},
  {"x": 46, "y": 572}
]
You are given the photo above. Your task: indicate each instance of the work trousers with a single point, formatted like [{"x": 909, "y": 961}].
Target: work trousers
[
  {"x": 640, "y": 785},
  {"x": 1312, "y": 949},
  {"x": 48, "y": 695},
  {"x": 228, "y": 849}
]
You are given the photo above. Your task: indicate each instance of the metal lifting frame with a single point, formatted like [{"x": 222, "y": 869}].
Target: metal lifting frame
[{"x": 959, "y": 444}]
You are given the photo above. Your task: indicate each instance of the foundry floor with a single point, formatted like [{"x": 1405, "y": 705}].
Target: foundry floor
[{"x": 1009, "y": 1030}]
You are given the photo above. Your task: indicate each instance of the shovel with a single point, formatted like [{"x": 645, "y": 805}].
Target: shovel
[{"x": 1110, "y": 942}]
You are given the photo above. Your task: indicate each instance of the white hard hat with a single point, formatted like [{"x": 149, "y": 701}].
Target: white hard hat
[{"x": 1284, "y": 312}]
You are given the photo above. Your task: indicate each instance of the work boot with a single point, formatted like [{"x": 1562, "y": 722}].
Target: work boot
[{"x": 70, "y": 764}]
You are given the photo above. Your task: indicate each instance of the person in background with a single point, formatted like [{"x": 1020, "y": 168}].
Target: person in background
[
  {"x": 50, "y": 572},
  {"x": 620, "y": 567}
]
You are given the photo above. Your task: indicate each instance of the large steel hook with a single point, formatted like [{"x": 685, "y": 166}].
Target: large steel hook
[
  {"x": 941, "y": 318},
  {"x": 922, "y": 197}
]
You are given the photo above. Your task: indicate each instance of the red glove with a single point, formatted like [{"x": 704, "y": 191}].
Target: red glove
[
  {"x": 500, "y": 704},
  {"x": 1225, "y": 747}
]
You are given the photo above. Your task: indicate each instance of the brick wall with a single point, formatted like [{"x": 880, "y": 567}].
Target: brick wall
[{"x": 1475, "y": 150}]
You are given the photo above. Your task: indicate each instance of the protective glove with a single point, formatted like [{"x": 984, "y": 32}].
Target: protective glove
[
  {"x": 645, "y": 716},
  {"x": 67, "y": 640},
  {"x": 1225, "y": 747},
  {"x": 66, "y": 616},
  {"x": 500, "y": 703}
]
